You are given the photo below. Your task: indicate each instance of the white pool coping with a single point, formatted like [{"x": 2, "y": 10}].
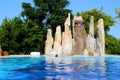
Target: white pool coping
[{"x": 49, "y": 56}]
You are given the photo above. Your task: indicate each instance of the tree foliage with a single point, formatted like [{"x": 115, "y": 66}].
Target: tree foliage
[
  {"x": 112, "y": 45},
  {"x": 108, "y": 20},
  {"x": 21, "y": 37},
  {"x": 10, "y": 34},
  {"x": 46, "y": 13}
]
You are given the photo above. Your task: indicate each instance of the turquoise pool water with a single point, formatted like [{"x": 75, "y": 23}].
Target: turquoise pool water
[{"x": 62, "y": 68}]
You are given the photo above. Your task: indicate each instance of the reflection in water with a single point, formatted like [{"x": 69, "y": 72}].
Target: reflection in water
[
  {"x": 89, "y": 69},
  {"x": 59, "y": 69},
  {"x": 70, "y": 69}
]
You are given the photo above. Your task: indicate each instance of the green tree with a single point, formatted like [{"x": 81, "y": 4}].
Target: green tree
[
  {"x": 38, "y": 17},
  {"x": 108, "y": 20},
  {"x": 112, "y": 45},
  {"x": 46, "y": 13},
  {"x": 9, "y": 34},
  {"x": 33, "y": 37},
  {"x": 18, "y": 36}
]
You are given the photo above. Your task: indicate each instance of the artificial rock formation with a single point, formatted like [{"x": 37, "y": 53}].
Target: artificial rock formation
[
  {"x": 78, "y": 43},
  {"x": 49, "y": 43},
  {"x": 90, "y": 40},
  {"x": 101, "y": 38},
  {"x": 67, "y": 38},
  {"x": 79, "y": 36},
  {"x": 57, "y": 44}
]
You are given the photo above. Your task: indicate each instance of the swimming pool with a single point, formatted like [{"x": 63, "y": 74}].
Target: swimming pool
[{"x": 61, "y": 68}]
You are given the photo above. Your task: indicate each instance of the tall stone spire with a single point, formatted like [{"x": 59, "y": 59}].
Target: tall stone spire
[
  {"x": 67, "y": 21},
  {"x": 67, "y": 38},
  {"x": 91, "y": 28},
  {"x": 57, "y": 44},
  {"x": 79, "y": 36},
  {"x": 90, "y": 40},
  {"x": 48, "y": 43},
  {"x": 101, "y": 37}
]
